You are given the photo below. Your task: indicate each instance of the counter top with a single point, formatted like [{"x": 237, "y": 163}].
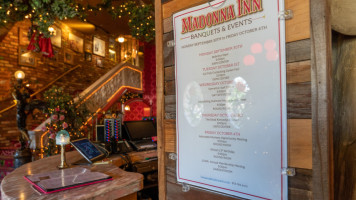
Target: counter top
[{"x": 14, "y": 186}]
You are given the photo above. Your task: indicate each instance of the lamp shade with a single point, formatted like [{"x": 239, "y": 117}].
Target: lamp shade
[
  {"x": 19, "y": 74},
  {"x": 121, "y": 39},
  {"x": 62, "y": 137}
]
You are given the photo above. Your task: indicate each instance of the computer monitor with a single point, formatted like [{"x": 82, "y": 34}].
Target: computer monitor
[{"x": 138, "y": 130}]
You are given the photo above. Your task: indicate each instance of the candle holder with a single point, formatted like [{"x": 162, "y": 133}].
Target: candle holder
[{"x": 62, "y": 139}]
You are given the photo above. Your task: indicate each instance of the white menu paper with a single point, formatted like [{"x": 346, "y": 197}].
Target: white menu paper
[{"x": 231, "y": 98}]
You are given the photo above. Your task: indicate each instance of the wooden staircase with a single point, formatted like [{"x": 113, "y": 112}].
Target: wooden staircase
[{"x": 104, "y": 93}]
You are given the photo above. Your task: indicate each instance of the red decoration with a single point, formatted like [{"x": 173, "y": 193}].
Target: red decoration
[
  {"x": 32, "y": 45},
  {"x": 149, "y": 77},
  {"x": 44, "y": 45}
]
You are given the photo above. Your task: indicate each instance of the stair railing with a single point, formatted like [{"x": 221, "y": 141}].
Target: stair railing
[{"x": 42, "y": 89}]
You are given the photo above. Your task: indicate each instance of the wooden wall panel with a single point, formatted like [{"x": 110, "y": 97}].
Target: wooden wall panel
[
  {"x": 298, "y": 51},
  {"x": 298, "y": 72},
  {"x": 300, "y": 143},
  {"x": 344, "y": 94},
  {"x": 168, "y": 24},
  {"x": 168, "y": 52},
  {"x": 302, "y": 180},
  {"x": 170, "y": 134},
  {"x": 321, "y": 73},
  {"x": 169, "y": 73},
  {"x": 298, "y": 28},
  {"x": 300, "y": 186},
  {"x": 170, "y": 103},
  {"x": 169, "y": 88},
  {"x": 172, "y": 7},
  {"x": 299, "y": 100}
]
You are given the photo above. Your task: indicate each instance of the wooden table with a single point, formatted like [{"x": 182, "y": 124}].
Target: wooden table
[{"x": 124, "y": 186}]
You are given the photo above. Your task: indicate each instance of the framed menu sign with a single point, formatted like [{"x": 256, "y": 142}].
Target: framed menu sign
[{"x": 231, "y": 98}]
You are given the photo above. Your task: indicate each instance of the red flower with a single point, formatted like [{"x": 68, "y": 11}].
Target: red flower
[
  {"x": 55, "y": 117},
  {"x": 64, "y": 125},
  {"x": 52, "y": 136}
]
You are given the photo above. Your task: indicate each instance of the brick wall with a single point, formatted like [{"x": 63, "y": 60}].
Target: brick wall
[{"x": 44, "y": 71}]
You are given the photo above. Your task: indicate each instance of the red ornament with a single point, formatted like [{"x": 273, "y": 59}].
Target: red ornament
[{"x": 44, "y": 44}]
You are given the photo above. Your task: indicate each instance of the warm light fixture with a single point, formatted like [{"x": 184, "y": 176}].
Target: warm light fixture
[
  {"x": 62, "y": 139},
  {"x": 51, "y": 30},
  {"x": 121, "y": 39},
  {"x": 127, "y": 107},
  {"x": 19, "y": 75}
]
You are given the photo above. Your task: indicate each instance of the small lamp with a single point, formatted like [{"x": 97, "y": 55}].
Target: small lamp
[
  {"x": 19, "y": 75},
  {"x": 62, "y": 139}
]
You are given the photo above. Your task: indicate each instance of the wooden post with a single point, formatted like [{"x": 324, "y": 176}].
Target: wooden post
[
  {"x": 322, "y": 115},
  {"x": 160, "y": 100}
]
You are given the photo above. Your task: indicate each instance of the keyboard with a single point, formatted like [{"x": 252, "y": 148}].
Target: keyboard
[{"x": 141, "y": 145}]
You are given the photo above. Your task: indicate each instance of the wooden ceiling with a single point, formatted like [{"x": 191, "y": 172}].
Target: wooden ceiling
[{"x": 102, "y": 20}]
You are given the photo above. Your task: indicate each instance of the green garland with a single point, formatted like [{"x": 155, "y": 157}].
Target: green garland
[
  {"x": 64, "y": 114},
  {"x": 43, "y": 14},
  {"x": 129, "y": 95}
]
